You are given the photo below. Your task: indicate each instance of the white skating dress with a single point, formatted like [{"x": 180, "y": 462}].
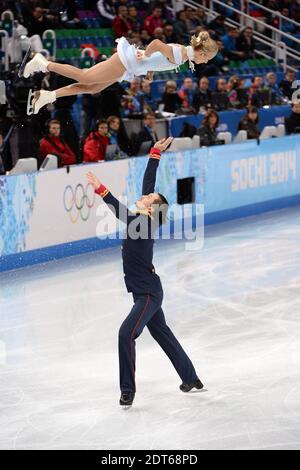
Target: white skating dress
[{"x": 157, "y": 62}]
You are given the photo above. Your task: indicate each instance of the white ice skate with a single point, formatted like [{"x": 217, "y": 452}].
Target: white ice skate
[
  {"x": 39, "y": 99},
  {"x": 38, "y": 64}
]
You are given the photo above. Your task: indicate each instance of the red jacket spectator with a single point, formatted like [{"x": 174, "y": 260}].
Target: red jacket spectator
[
  {"x": 94, "y": 148},
  {"x": 121, "y": 24},
  {"x": 154, "y": 21},
  {"x": 55, "y": 145}
]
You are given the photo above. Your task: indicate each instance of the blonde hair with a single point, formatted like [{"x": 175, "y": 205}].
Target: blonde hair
[{"x": 204, "y": 43}]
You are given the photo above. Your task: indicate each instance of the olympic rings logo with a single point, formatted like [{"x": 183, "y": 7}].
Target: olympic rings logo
[{"x": 78, "y": 202}]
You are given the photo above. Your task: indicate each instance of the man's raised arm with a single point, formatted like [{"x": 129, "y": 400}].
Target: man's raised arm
[{"x": 151, "y": 170}]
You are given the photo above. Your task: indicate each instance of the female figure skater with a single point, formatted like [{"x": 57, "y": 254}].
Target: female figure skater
[
  {"x": 143, "y": 282},
  {"x": 125, "y": 64}
]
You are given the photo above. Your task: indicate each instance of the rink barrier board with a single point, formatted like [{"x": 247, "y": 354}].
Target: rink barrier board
[
  {"x": 65, "y": 250},
  {"x": 39, "y": 220}
]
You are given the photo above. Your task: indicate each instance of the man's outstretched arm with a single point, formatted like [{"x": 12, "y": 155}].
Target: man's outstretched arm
[
  {"x": 151, "y": 170},
  {"x": 119, "y": 209}
]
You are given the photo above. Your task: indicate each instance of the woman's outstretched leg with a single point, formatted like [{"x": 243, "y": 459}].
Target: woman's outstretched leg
[
  {"x": 43, "y": 97},
  {"x": 111, "y": 69}
]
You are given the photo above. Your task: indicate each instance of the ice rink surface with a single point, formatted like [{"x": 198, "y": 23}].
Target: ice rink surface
[{"x": 235, "y": 306}]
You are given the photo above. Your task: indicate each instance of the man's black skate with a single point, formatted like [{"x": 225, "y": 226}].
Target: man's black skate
[
  {"x": 188, "y": 387},
  {"x": 127, "y": 398}
]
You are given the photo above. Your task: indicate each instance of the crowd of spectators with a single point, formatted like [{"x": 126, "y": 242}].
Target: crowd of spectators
[{"x": 141, "y": 21}]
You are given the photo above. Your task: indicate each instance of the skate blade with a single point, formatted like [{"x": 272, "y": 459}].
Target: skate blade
[
  {"x": 24, "y": 62},
  {"x": 32, "y": 99},
  {"x": 126, "y": 407},
  {"x": 30, "y": 109}
]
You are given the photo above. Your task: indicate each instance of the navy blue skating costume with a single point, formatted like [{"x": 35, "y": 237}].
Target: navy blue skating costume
[{"x": 145, "y": 286}]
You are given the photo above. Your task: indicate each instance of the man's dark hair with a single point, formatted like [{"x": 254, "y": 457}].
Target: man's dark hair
[{"x": 162, "y": 210}]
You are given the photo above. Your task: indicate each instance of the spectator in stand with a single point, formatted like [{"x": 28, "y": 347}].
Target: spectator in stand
[
  {"x": 255, "y": 89},
  {"x": 220, "y": 61},
  {"x": 249, "y": 123},
  {"x": 95, "y": 145},
  {"x": 229, "y": 40},
  {"x": 220, "y": 100},
  {"x": 162, "y": 4},
  {"x": 117, "y": 134},
  {"x": 159, "y": 34},
  {"x": 170, "y": 36},
  {"x": 133, "y": 100},
  {"x": 237, "y": 94},
  {"x": 287, "y": 26},
  {"x": 54, "y": 144},
  {"x": 217, "y": 26},
  {"x": 246, "y": 44},
  {"x": 221, "y": 85},
  {"x": 134, "y": 18},
  {"x": 187, "y": 94},
  {"x": 134, "y": 37},
  {"x": 208, "y": 130},
  {"x": 199, "y": 18},
  {"x": 148, "y": 101},
  {"x": 180, "y": 28},
  {"x": 148, "y": 133},
  {"x": 107, "y": 12},
  {"x": 292, "y": 123},
  {"x": 122, "y": 24},
  {"x": 271, "y": 84},
  {"x": 38, "y": 22},
  {"x": 203, "y": 97},
  {"x": 145, "y": 37},
  {"x": 154, "y": 21},
  {"x": 170, "y": 98},
  {"x": 190, "y": 21},
  {"x": 65, "y": 13},
  {"x": 286, "y": 85}
]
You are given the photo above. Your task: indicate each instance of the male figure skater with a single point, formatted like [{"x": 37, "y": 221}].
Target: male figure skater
[{"x": 143, "y": 282}]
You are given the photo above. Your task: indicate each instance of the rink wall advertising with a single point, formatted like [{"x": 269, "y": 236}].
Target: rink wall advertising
[{"x": 49, "y": 215}]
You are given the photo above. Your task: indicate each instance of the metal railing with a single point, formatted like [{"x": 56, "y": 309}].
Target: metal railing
[
  {"x": 281, "y": 52},
  {"x": 264, "y": 8}
]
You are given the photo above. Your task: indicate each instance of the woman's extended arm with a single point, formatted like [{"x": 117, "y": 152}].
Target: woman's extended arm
[{"x": 158, "y": 46}]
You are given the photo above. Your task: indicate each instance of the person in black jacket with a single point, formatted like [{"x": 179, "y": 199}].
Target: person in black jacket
[
  {"x": 286, "y": 85},
  {"x": 245, "y": 43},
  {"x": 143, "y": 282},
  {"x": 203, "y": 96},
  {"x": 147, "y": 134},
  {"x": 170, "y": 98},
  {"x": 249, "y": 123},
  {"x": 208, "y": 130},
  {"x": 292, "y": 123}
]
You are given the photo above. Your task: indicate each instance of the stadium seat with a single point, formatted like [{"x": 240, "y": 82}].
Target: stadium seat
[
  {"x": 180, "y": 143},
  {"x": 24, "y": 165},
  {"x": 281, "y": 130},
  {"x": 240, "y": 137},
  {"x": 196, "y": 141},
  {"x": 268, "y": 132},
  {"x": 226, "y": 136},
  {"x": 50, "y": 163}
]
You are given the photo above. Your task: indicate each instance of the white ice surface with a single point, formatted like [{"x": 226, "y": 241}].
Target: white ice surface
[{"x": 235, "y": 306}]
